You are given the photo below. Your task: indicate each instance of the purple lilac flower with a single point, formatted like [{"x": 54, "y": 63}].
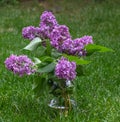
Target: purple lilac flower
[
  {"x": 65, "y": 69},
  {"x": 47, "y": 23},
  {"x": 79, "y": 44},
  {"x": 31, "y": 32},
  {"x": 76, "y": 46},
  {"x": 20, "y": 64},
  {"x": 86, "y": 40},
  {"x": 58, "y": 36},
  {"x": 68, "y": 46}
]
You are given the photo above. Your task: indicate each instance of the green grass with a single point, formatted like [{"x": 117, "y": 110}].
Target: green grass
[{"x": 97, "y": 94}]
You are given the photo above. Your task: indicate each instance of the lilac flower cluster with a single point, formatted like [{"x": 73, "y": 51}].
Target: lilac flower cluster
[
  {"x": 65, "y": 69},
  {"x": 20, "y": 64},
  {"x": 31, "y": 32},
  {"x": 58, "y": 36},
  {"x": 79, "y": 44},
  {"x": 76, "y": 46},
  {"x": 47, "y": 23},
  {"x": 67, "y": 46}
]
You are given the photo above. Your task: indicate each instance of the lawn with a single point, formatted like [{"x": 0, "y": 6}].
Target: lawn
[{"x": 97, "y": 93}]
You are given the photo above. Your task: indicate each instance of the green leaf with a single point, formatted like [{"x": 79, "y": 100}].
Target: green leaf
[
  {"x": 49, "y": 68},
  {"x": 33, "y": 44},
  {"x": 39, "y": 85},
  {"x": 79, "y": 61},
  {"x": 41, "y": 51},
  {"x": 55, "y": 53},
  {"x": 46, "y": 59},
  {"x": 91, "y": 48},
  {"x": 37, "y": 61}
]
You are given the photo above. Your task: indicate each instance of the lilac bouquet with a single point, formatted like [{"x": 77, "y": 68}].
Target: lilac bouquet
[{"x": 60, "y": 60}]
